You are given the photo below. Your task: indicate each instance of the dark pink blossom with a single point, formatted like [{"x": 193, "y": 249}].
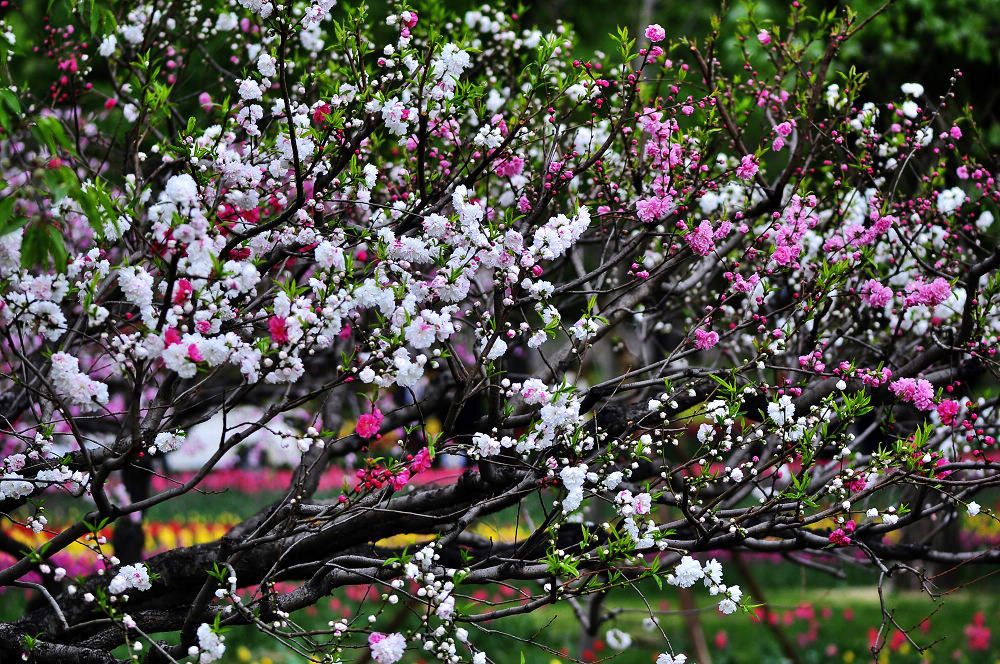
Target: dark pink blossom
[
  {"x": 369, "y": 423},
  {"x": 279, "y": 331},
  {"x": 839, "y": 538},
  {"x": 421, "y": 461},
  {"x": 947, "y": 410}
]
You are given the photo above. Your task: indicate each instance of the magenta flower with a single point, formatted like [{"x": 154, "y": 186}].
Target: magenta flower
[
  {"x": 369, "y": 423},
  {"x": 182, "y": 291},
  {"x": 171, "y": 336},
  {"x": 421, "y": 461},
  {"x": 655, "y": 33},
  {"x": 947, "y": 410},
  {"x": 763, "y": 37},
  {"x": 509, "y": 166},
  {"x": 400, "y": 479},
  {"x": 279, "y": 331},
  {"x": 839, "y": 538},
  {"x": 747, "y": 168}
]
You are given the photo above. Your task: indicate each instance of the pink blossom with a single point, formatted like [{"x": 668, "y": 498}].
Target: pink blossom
[
  {"x": 655, "y": 33},
  {"x": 400, "y": 479},
  {"x": 747, "y": 168},
  {"x": 369, "y": 423},
  {"x": 194, "y": 354},
  {"x": 653, "y": 209},
  {"x": 701, "y": 241},
  {"x": 930, "y": 294},
  {"x": 784, "y": 129},
  {"x": 978, "y": 634},
  {"x": 510, "y": 166},
  {"x": 763, "y": 37},
  {"x": 705, "y": 340},
  {"x": 421, "y": 461},
  {"x": 320, "y": 113},
  {"x": 955, "y": 132},
  {"x": 205, "y": 101},
  {"x": 182, "y": 291},
  {"x": 875, "y": 294},
  {"x": 171, "y": 336},
  {"x": 777, "y": 144},
  {"x": 857, "y": 485},
  {"x": 917, "y": 391},
  {"x": 786, "y": 254},
  {"x": 741, "y": 285},
  {"x": 947, "y": 410},
  {"x": 279, "y": 331},
  {"x": 839, "y": 538}
]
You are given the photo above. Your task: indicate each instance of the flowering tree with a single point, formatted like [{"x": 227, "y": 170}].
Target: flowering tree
[{"x": 657, "y": 309}]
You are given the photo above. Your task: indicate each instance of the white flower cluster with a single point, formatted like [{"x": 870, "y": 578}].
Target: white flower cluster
[
  {"x": 167, "y": 441},
  {"x": 130, "y": 576},
  {"x": 689, "y": 571},
  {"x": 782, "y": 411},
  {"x": 74, "y": 386},
  {"x": 210, "y": 646},
  {"x": 389, "y": 649}
]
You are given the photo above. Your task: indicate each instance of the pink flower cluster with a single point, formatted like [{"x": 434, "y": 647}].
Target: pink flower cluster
[
  {"x": 929, "y": 294},
  {"x": 705, "y": 340},
  {"x": 748, "y": 168},
  {"x": 875, "y": 294},
  {"x": 917, "y": 391},
  {"x": 655, "y": 208},
  {"x": 841, "y": 536}
]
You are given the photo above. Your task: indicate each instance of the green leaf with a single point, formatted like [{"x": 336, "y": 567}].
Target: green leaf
[
  {"x": 57, "y": 248},
  {"x": 33, "y": 245},
  {"x": 8, "y": 223},
  {"x": 95, "y": 19},
  {"x": 10, "y": 99},
  {"x": 42, "y": 240}
]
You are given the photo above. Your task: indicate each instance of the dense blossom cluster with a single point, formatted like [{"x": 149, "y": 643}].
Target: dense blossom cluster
[{"x": 587, "y": 281}]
